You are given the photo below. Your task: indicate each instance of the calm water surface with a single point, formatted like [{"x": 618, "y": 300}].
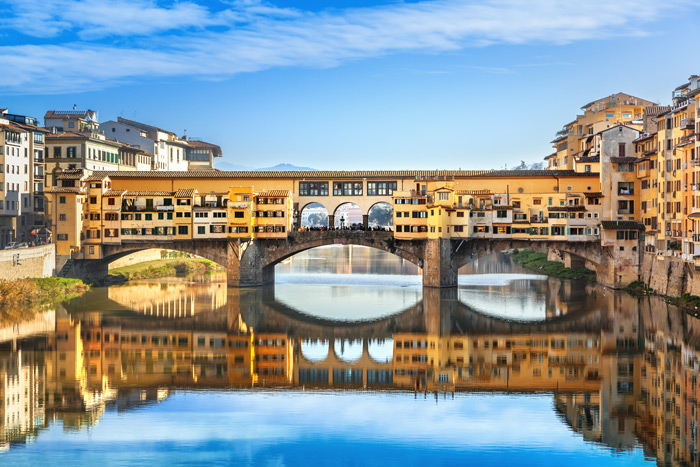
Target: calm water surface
[{"x": 347, "y": 360}]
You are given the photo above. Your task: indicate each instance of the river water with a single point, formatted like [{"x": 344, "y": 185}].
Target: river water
[{"x": 347, "y": 360}]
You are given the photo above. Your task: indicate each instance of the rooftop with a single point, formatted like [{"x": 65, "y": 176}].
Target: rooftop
[{"x": 376, "y": 174}]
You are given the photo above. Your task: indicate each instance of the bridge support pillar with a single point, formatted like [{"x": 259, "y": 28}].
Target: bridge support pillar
[
  {"x": 244, "y": 265},
  {"x": 331, "y": 221},
  {"x": 365, "y": 220},
  {"x": 438, "y": 268}
]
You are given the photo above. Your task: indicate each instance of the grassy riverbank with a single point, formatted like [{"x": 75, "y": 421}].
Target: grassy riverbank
[
  {"x": 163, "y": 268},
  {"x": 686, "y": 302},
  {"x": 537, "y": 262},
  {"x": 18, "y": 296}
]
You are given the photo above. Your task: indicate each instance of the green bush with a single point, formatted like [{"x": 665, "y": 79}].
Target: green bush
[{"x": 538, "y": 262}]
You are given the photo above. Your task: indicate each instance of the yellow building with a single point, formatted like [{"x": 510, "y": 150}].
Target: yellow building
[{"x": 576, "y": 139}]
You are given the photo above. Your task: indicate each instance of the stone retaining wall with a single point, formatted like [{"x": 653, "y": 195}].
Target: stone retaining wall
[
  {"x": 670, "y": 276},
  {"x": 37, "y": 261}
]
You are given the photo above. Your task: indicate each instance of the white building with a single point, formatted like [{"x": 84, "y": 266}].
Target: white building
[
  {"x": 21, "y": 176},
  {"x": 168, "y": 150}
]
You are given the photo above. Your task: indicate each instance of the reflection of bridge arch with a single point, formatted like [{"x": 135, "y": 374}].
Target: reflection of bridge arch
[
  {"x": 439, "y": 312},
  {"x": 314, "y": 350},
  {"x": 348, "y": 351}
]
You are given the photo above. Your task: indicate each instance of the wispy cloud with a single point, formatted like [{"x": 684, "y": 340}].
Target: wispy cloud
[{"x": 113, "y": 42}]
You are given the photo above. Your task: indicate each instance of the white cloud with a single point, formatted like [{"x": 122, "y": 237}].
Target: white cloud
[
  {"x": 96, "y": 18},
  {"x": 138, "y": 39}
]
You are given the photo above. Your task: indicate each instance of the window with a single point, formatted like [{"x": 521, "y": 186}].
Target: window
[
  {"x": 313, "y": 188},
  {"x": 238, "y": 214},
  {"x": 57, "y": 151},
  {"x": 381, "y": 188},
  {"x": 201, "y": 230},
  {"x": 110, "y": 201},
  {"x": 443, "y": 196},
  {"x": 609, "y": 114},
  {"x": 182, "y": 230},
  {"x": 62, "y": 200},
  {"x": 61, "y": 217},
  {"x": 62, "y": 237},
  {"x": 501, "y": 214},
  {"x": 347, "y": 188}
]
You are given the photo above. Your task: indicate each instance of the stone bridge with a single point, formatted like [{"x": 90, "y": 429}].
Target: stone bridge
[{"x": 252, "y": 263}]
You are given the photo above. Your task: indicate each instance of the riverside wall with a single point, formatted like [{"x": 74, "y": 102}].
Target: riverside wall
[
  {"x": 669, "y": 275},
  {"x": 38, "y": 261}
]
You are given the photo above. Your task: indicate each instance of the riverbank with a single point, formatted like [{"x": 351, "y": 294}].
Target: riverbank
[
  {"x": 17, "y": 297},
  {"x": 163, "y": 268},
  {"x": 537, "y": 262},
  {"x": 686, "y": 302}
]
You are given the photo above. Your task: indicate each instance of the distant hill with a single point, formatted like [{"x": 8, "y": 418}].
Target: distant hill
[
  {"x": 227, "y": 166},
  {"x": 286, "y": 168}
]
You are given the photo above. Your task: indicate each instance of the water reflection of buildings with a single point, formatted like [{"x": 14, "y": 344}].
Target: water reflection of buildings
[{"x": 622, "y": 374}]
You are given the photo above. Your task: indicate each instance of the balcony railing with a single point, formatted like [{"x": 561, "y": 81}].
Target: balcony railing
[
  {"x": 688, "y": 123},
  {"x": 624, "y": 191}
]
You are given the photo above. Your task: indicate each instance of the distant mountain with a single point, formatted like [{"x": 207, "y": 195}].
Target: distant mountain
[
  {"x": 286, "y": 168},
  {"x": 227, "y": 166}
]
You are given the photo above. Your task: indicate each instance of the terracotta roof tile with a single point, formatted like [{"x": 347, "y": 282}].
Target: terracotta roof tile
[
  {"x": 149, "y": 193},
  {"x": 62, "y": 189},
  {"x": 277, "y": 193},
  {"x": 111, "y": 193},
  {"x": 185, "y": 193},
  {"x": 334, "y": 175}
]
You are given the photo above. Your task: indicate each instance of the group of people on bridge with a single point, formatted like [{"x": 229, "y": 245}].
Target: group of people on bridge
[{"x": 347, "y": 227}]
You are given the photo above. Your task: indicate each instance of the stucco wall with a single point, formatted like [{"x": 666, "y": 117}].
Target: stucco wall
[{"x": 33, "y": 262}]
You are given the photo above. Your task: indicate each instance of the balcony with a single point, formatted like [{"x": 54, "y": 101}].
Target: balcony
[
  {"x": 538, "y": 220},
  {"x": 688, "y": 123}
]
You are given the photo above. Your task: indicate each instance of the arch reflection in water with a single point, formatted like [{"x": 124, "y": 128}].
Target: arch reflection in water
[{"x": 621, "y": 374}]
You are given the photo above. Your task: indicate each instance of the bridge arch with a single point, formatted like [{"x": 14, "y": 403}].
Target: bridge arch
[
  {"x": 380, "y": 214},
  {"x": 321, "y": 215},
  {"x": 343, "y": 218},
  {"x": 572, "y": 254},
  {"x": 302, "y": 241}
]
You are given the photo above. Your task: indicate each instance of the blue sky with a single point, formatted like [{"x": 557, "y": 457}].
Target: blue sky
[{"x": 360, "y": 85}]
